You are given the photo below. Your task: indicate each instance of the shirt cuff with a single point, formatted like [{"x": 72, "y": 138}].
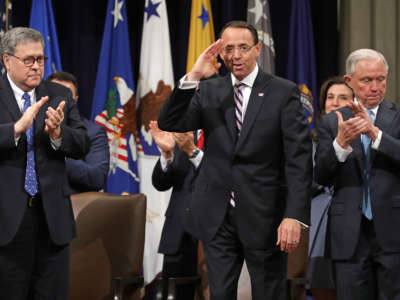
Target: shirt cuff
[
  {"x": 186, "y": 85},
  {"x": 377, "y": 142},
  {"x": 165, "y": 163},
  {"x": 16, "y": 139},
  {"x": 56, "y": 144},
  {"x": 303, "y": 226},
  {"x": 197, "y": 160},
  {"x": 341, "y": 153}
]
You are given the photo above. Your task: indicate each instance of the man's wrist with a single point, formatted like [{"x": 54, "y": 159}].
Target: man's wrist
[
  {"x": 341, "y": 143},
  {"x": 167, "y": 154},
  {"x": 194, "y": 153},
  {"x": 192, "y": 76},
  {"x": 375, "y": 133},
  {"x": 17, "y": 130}
]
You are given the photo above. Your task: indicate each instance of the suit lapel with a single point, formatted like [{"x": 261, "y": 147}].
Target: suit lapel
[
  {"x": 384, "y": 120},
  {"x": 259, "y": 93},
  {"x": 228, "y": 107},
  {"x": 8, "y": 99}
]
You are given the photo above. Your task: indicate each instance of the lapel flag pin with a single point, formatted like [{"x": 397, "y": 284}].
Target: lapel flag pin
[{"x": 260, "y": 94}]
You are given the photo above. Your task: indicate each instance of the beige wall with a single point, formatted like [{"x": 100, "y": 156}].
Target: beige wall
[{"x": 372, "y": 24}]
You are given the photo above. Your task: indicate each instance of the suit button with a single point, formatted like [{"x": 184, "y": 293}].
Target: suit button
[{"x": 187, "y": 209}]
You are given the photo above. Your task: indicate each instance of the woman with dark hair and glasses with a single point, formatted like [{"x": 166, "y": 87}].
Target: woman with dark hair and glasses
[{"x": 334, "y": 94}]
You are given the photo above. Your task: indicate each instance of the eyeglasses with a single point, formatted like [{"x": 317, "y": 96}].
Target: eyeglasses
[
  {"x": 30, "y": 61},
  {"x": 242, "y": 49}
]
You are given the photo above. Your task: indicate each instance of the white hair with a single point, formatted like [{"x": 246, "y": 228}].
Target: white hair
[{"x": 363, "y": 54}]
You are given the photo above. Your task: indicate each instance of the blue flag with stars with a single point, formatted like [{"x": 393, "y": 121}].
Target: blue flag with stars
[
  {"x": 114, "y": 101},
  {"x": 42, "y": 20}
]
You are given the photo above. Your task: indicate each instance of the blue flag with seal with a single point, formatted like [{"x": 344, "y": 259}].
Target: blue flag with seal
[
  {"x": 42, "y": 20},
  {"x": 301, "y": 63},
  {"x": 114, "y": 101}
]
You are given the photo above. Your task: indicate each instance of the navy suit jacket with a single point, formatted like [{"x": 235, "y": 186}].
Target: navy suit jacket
[
  {"x": 50, "y": 163},
  {"x": 90, "y": 173},
  {"x": 179, "y": 176},
  {"x": 345, "y": 210},
  {"x": 268, "y": 166}
]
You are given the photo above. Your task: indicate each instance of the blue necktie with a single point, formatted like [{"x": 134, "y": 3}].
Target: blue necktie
[
  {"x": 366, "y": 205},
  {"x": 31, "y": 184}
]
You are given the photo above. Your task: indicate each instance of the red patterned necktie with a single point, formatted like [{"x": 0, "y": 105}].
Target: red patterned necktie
[{"x": 200, "y": 140}]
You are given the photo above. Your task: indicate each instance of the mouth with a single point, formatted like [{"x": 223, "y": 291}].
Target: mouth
[
  {"x": 237, "y": 67},
  {"x": 34, "y": 76},
  {"x": 375, "y": 97}
]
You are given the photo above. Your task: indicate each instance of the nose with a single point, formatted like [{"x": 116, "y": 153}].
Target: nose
[
  {"x": 236, "y": 52},
  {"x": 336, "y": 101},
  {"x": 374, "y": 85},
  {"x": 35, "y": 64}
]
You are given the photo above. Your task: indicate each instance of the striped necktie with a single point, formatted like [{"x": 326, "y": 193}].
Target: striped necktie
[
  {"x": 31, "y": 183},
  {"x": 238, "y": 97}
]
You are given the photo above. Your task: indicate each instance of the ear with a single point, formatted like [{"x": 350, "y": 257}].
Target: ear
[
  {"x": 258, "y": 48},
  {"x": 347, "y": 78},
  {"x": 6, "y": 61}
]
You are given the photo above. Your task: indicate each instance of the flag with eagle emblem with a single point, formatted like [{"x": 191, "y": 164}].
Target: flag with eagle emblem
[
  {"x": 156, "y": 80},
  {"x": 114, "y": 101}
]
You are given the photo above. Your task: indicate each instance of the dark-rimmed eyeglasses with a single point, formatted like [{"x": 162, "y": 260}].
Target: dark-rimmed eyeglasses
[
  {"x": 30, "y": 60},
  {"x": 241, "y": 48}
]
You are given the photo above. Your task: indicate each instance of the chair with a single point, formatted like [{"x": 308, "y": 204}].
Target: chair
[
  {"x": 297, "y": 269},
  {"x": 107, "y": 255},
  {"x": 170, "y": 292},
  {"x": 166, "y": 287}
]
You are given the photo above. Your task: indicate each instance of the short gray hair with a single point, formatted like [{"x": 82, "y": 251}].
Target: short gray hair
[
  {"x": 363, "y": 54},
  {"x": 16, "y": 36}
]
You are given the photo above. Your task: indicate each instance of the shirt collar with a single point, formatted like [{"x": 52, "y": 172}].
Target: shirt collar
[
  {"x": 248, "y": 80},
  {"x": 17, "y": 91}
]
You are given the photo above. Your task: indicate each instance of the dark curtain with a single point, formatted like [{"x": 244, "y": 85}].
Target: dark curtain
[{"x": 80, "y": 28}]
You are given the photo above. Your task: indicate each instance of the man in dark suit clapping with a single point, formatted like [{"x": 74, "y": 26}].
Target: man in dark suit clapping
[
  {"x": 358, "y": 153},
  {"x": 39, "y": 127},
  {"x": 176, "y": 169}
]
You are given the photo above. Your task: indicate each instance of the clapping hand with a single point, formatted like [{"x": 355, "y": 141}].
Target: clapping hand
[{"x": 163, "y": 139}]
